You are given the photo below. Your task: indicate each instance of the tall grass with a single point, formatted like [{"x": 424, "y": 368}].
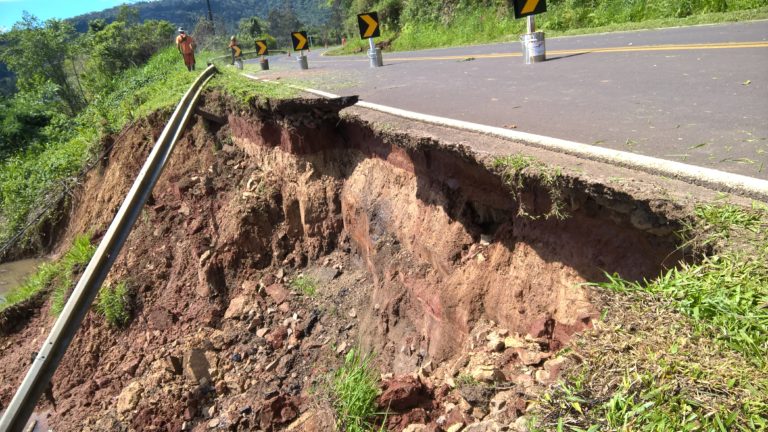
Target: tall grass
[
  {"x": 726, "y": 294},
  {"x": 473, "y": 22},
  {"x": 355, "y": 388},
  {"x": 114, "y": 304}
]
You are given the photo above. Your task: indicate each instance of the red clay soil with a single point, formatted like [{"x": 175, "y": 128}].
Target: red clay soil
[{"x": 417, "y": 248}]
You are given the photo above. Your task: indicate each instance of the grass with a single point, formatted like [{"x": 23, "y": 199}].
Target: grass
[
  {"x": 57, "y": 276},
  {"x": 114, "y": 304},
  {"x": 684, "y": 352},
  {"x": 521, "y": 172},
  {"x": 355, "y": 388},
  {"x": 715, "y": 223},
  {"x": 726, "y": 294},
  {"x": 646, "y": 368},
  {"x": 475, "y": 24},
  {"x": 246, "y": 90},
  {"x": 305, "y": 285}
]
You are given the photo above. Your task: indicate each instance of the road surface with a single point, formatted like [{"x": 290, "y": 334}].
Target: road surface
[{"x": 697, "y": 95}]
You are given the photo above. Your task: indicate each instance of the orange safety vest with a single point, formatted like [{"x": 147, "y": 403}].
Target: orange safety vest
[
  {"x": 236, "y": 51},
  {"x": 186, "y": 44}
]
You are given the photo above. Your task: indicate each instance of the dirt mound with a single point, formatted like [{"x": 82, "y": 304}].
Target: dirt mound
[{"x": 416, "y": 251}]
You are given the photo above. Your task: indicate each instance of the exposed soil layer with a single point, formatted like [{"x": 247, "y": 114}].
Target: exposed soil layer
[{"x": 419, "y": 251}]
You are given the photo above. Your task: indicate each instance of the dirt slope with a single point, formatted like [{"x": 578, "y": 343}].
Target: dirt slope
[{"x": 418, "y": 251}]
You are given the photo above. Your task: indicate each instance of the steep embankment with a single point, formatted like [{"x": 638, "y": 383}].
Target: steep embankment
[{"x": 282, "y": 238}]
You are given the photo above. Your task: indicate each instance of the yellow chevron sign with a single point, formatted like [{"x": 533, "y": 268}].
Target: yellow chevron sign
[
  {"x": 261, "y": 47},
  {"x": 369, "y": 25},
  {"x": 299, "y": 40},
  {"x": 523, "y": 8}
]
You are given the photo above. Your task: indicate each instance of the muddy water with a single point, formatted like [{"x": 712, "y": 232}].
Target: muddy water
[{"x": 12, "y": 274}]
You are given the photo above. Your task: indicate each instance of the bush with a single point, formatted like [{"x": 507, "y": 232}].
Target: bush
[
  {"x": 114, "y": 303},
  {"x": 305, "y": 285}
]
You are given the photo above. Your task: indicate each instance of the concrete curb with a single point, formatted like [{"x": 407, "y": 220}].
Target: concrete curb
[{"x": 713, "y": 179}]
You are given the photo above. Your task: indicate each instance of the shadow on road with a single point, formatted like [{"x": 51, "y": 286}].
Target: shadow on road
[{"x": 566, "y": 56}]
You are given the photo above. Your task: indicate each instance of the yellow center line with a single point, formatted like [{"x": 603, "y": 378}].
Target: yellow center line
[{"x": 640, "y": 48}]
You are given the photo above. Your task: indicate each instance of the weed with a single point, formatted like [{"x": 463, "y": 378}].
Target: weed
[
  {"x": 305, "y": 285},
  {"x": 114, "y": 304},
  {"x": 355, "y": 388},
  {"x": 466, "y": 380},
  {"x": 685, "y": 351},
  {"x": 518, "y": 170}
]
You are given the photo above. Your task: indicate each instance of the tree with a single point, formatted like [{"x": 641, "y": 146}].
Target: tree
[
  {"x": 128, "y": 15},
  {"x": 119, "y": 46},
  {"x": 97, "y": 25},
  {"x": 23, "y": 117},
  {"x": 38, "y": 53},
  {"x": 282, "y": 22},
  {"x": 251, "y": 27}
]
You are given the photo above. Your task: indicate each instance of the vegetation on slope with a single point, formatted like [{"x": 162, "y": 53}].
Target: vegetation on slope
[
  {"x": 684, "y": 352},
  {"x": 55, "y": 276},
  {"x": 47, "y": 139},
  {"x": 416, "y": 24}
]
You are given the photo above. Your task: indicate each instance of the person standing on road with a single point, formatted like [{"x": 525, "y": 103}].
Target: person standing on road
[
  {"x": 186, "y": 45},
  {"x": 236, "y": 52}
]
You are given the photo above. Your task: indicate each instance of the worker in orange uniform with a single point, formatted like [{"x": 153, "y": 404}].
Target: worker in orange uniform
[
  {"x": 237, "y": 59},
  {"x": 186, "y": 45}
]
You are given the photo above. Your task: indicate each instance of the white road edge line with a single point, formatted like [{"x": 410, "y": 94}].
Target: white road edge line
[{"x": 718, "y": 180}]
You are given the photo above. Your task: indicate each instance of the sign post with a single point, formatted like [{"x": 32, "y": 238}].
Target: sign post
[
  {"x": 534, "y": 49},
  {"x": 262, "y": 50},
  {"x": 299, "y": 40},
  {"x": 369, "y": 28}
]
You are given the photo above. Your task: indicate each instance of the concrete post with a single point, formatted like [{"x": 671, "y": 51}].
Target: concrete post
[
  {"x": 302, "y": 59},
  {"x": 534, "y": 48},
  {"x": 374, "y": 54}
]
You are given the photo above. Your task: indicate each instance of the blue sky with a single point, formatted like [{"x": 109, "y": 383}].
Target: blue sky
[{"x": 10, "y": 10}]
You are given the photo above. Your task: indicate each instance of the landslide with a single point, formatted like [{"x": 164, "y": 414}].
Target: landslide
[{"x": 419, "y": 251}]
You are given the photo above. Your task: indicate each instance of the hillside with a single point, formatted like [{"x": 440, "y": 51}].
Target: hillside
[{"x": 312, "y": 13}]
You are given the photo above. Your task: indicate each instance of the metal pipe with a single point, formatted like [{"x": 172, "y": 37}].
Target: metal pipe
[{"x": 55, "y": 346}]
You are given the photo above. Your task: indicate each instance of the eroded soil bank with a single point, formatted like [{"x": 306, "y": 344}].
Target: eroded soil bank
[{"x": 418, "y": 251}]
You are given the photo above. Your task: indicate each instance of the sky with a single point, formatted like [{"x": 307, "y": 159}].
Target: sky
[{"x": 10, "y": 10}]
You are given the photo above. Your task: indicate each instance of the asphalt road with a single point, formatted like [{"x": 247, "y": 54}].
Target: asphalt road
[{"x": 697, "y": 95}]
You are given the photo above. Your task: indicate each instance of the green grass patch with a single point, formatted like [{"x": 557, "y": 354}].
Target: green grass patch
[
  {"x": 684, "y": 352},
  {"x": 715, "y": 222},
  {"x": 45, "y": 274},
  {"x": 305, "y": 285},
  {"x": 726, "y": 293},
  {"x": 520, "y": 172},
  {"x": 645, "y": 367},
  {"x": 246, "y": 90},
  {"x": 355, "y": 388},
  {"x": 114, "y": 303},
  {"x": 58, "y": 276}
]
